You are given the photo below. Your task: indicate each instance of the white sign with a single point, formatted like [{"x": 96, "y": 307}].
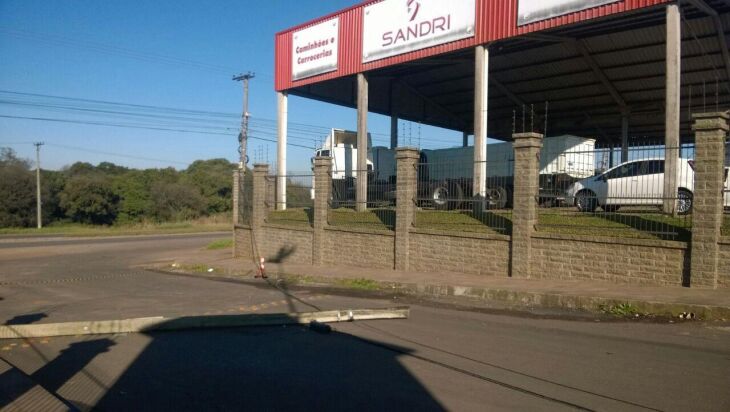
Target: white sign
[
  {"x": 394, "y": 27},
  {"x": 315, "y": 49},
  {"x": 530, "y": 11}
]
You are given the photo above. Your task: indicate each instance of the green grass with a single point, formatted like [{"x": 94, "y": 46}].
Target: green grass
[
  {"x": 621, "y": 310},
  {"x": 377, "y": 219},
  {"x": 360, "y": 284},
  {"x": 220, "y": 244},
  {"x": 78, "y": 230},
  {"x": 629, "y": 225},
  {"x": 295, "y": 217},
  {"x": 462, "y": 221},
  {"x": 726, "y": 225},
  {"x": 637, "y": 225}
]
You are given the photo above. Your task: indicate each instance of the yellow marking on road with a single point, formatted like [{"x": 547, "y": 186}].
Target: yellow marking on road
[
  {"x": 231, "y": 310},
  {"x": 242, "y": 308},
  {"x": 25, "y": 345},
  {"x": 254, "y": 307},
  {"x": 264, "y": 305},
  {"x": 44, "y": 341},
  {"x": 13, "y": 344},
  {"x": 6, "y": 348},
  {"x": 283, "y": 302}
]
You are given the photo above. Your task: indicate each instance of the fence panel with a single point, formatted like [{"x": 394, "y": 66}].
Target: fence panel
[
  {"x": 298, "y": 208},
  {"x": 619, "y": 199},
  {"x": 381, "y": 194},
  {"x": 447, "y": 198}
]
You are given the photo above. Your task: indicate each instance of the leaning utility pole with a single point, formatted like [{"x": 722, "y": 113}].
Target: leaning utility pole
[
  {"x": 38, "y": 182},
  {"x": 243, "y": 137}
]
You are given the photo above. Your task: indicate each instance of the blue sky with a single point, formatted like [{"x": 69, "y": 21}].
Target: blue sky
[{"x": 147, "y": 53}]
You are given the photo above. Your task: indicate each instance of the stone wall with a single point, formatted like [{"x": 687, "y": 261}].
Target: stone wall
[
  {"x": 615, "y": 260},
  {"x": 723, "y": 280},
  {"x": 432, "y": 251},
  {"x": 361, "y": 248},
  {"x": 285, "y": 244}
]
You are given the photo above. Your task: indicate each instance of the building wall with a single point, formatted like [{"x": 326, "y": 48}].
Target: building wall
[
  {"x": 366, "y": 249},
  {"x": 724, "y": 266},
  {"x": 615, "y": 260},
  {"x": 285, "y": 244},
  {"x": 476, "y": 254}
]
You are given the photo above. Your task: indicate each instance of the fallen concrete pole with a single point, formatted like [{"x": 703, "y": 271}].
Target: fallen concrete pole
[{"x": 138, "y": 325}]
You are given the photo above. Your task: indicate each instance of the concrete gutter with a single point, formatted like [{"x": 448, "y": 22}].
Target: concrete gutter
[{"x": 140, "y": 325}]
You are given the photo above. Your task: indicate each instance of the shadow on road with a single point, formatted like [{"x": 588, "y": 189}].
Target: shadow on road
[
  {"x": 26, "y": 319},
  {"x": 260, "y": 368}
]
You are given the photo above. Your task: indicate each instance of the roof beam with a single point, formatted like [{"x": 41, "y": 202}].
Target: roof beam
[
  {"x": 505, "y": 91},
  {"x": 583, "y": 50},
  {"x": 721, "y": 39},
  {"x": 580, "y": 46},
  {"x": 459, "y": 121}
]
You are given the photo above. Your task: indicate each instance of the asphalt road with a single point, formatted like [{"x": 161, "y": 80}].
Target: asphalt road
[{"x": 438, "y": 359}]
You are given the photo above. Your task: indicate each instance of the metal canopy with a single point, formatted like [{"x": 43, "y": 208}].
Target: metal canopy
[{"x": 589, "y": 73}]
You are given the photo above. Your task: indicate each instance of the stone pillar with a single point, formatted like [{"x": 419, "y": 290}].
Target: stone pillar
[
  {"x": 361, "y": 189},
  {"x": 322, "y": 189},
  {"x": 672, "y": 97},
  {"x": 236, "y": 195},
  {"x": 710, "y": 133},
  {"x": 481, "y": 100},
  {"x": 405, "y": 211},
  {"x": 281, "y": 141},
  {"x": 526, "y": 187},
  {"x": 258, "y": 214}
]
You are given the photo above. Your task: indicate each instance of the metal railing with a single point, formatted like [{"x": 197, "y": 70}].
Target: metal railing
[
  {"x": 448, "y": 198},
  {"x": 627, "y": 199},
  {"x": 377, "y": 212},
  {"x": 298, "y": 207}
]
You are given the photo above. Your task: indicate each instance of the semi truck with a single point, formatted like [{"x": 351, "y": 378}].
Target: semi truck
[{"x": 445, "y": 176}]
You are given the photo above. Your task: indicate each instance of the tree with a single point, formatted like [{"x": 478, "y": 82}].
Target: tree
[
  {"x": 17, "y": 191},
  {"x": 213, "y": 178},
  {"x": 176, "y": 202},
  {"x": 90, "y": 199}
]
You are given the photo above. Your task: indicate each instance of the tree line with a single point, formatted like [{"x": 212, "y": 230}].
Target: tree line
[{"x": 108, "y": 194}]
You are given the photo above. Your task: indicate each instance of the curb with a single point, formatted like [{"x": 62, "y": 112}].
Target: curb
[
  {"x": 514, "y": 298},
  {"x": 140, "y": 325}
]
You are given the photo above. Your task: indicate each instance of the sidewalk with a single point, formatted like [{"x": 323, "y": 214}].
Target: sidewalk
[{"x": 568, "y": 294}]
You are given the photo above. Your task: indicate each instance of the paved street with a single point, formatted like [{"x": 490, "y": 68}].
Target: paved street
[{"x": 437, "y": 359}]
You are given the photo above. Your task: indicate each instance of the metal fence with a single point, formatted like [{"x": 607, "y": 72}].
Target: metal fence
[
  {"x": 298, "y": 207},
  {"x": 379, "y": 209},
  {"x": 609, "y": 191},
  {"x": 448, "y": 198}
]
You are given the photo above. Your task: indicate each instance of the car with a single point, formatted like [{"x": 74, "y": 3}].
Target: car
[{"x": 634, "y": 183}]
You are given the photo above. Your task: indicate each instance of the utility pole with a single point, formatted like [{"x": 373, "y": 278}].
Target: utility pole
[
  {"x": 243, "y": 137},
  {"x": 38, "y": 182}
]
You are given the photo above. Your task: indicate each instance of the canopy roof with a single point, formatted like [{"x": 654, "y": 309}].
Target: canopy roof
[{"x": 587, "y": 73}]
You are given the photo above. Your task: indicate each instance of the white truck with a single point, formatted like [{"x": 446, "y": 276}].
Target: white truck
[{"x": 445, "y": 176}]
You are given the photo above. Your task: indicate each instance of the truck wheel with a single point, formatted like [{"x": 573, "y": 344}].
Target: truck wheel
[
  {"x": 498, "y": 197},
  {"x": 586, "y": 201},
  {"x": 446, "y": 196},
  {"x": 684, "y": 201}
]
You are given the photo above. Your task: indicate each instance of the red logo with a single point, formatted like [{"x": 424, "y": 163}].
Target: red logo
[{"x": 413, "y": 9}]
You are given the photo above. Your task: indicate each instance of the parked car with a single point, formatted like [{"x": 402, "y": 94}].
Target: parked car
[{"x": 635, "y": 183}]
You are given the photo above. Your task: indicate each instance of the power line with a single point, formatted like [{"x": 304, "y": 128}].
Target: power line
[
  {"x": 46, "y": 119},
  {"x": 194, "y": 112}
]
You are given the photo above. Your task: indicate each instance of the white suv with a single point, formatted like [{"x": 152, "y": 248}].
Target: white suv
[{"x": 636, "y": 183}]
